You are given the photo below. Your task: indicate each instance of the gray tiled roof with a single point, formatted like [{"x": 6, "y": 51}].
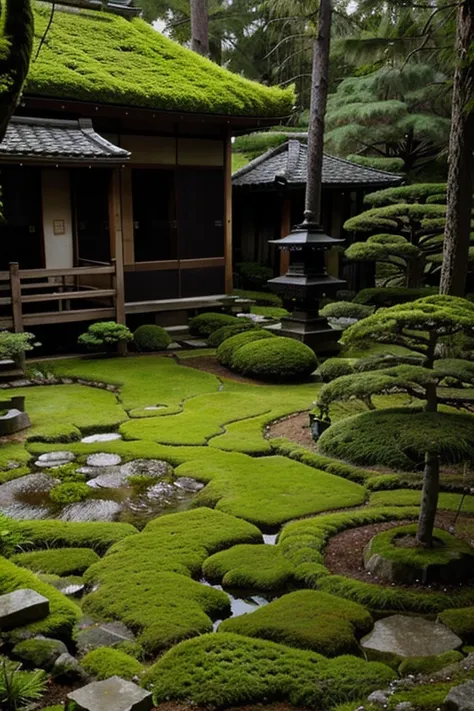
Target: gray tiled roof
[
  {"x": 37, "y": 139},
  {"x": 287, "y": 164}
]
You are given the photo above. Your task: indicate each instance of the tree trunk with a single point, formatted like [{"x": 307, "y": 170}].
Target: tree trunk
[
  {"x": 319, "y": 94},
  {"x": 200, "y": 27},
  {"x": 461, "y": 162},
  {"x": 429, "y": 500},
  {"x": 415, "y": 273}
]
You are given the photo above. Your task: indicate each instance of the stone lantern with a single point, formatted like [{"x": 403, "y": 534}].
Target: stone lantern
[{"x": 303, "y": 286}]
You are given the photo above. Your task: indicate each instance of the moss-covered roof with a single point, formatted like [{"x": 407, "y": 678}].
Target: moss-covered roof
[{"x": 94, "y": 56}]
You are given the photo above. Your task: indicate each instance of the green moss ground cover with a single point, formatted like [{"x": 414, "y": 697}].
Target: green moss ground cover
[
  {"x": 461, "y": 622},
  {"x": 251, "y": 567},
  {"x": 68, "y": 534},
  {"x": 11, "y": 452},
  {"x": 104, "y": 662},
  {"x": 308, "y": 619},
  {"x": 63, "y": 613},
  {"x": 57, "y": 561},
  {"x": 93, "y": 56},
  {"x": 145, "y": 581},
  {"x": 227, "y": 670},
  {"x": 428, "y": 665},
  {"x": 409, "y": 497}
]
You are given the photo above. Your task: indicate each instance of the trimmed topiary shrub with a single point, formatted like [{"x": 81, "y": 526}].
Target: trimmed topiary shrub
[
  {"x": 306, "y": 619},
  {"x": 279, "y": 359},
  {"x": 104, "y": 662},
  {"x": 346, "y": 309},
  {"x": 58, "y": 561},
  {"x": 225, "y": 332},
  {"x": 205, "y": 324},
  {"x": 104, "y": 335},
  {"x": 151, "y": 338},
  {"x": 333, "y": 368},
  {"x": 390, "y": 296},
  {"x": 227, "y": 349}
]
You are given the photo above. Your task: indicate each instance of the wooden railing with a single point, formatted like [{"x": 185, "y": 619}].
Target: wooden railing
[{"x": 23, "y": 291}]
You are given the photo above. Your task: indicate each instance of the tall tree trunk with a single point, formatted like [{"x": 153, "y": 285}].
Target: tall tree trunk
[
  {"x": 200, "y": 27},
  {"x": 319, "y": 94},
  {"x": 461, "y": 167},
  {"x": 429, "y": 500}
]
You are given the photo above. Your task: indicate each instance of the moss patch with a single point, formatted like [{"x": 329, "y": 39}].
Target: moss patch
[
  {"x": 68, "y": 534},
  {"x": 306, "y": 619},
  {"x": 104, "y": 662},
  {"x": 251, "y": 567},
  {"x": 409, "y": 497},
  {"x": 58, "y": 561},
  {"x": 461, "y": 622},
  {"x": 428, "y": 665},
  {"x": 226, "y": 669}
]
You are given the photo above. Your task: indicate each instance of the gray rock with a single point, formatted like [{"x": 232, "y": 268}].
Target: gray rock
[
  {"x": 188, "y": 484},
  {"x": 404, "y": 706},
  {"x": 55, "y": 459},
  {"x": 108, "y": 478},
  {"x": 70, "y": 586},
  {"x": 400, "y": 636},
  {"x": 89, "y": 472},
  {"x": 379, "y": 698},
  {"x": 149, "y": 467},
  {"x": 105, "y": 437},
  {"x": 113, "y": 693},
  {"x": 162, "y": 491},
  {"x": 40, "y": 652},
  {"x": 21, "y": 607},
  {"x": 460, "y": 698},
  {"x": 28, "y": 484},
  {"x": 25, "y": 512},
  {"x": 105, "y": 635},
  {"x": 68, "y": 669},
  {"x": 155, "y": 407},
  {"x": 103, "y": 459},
  {"x": 93, "y": 510}
]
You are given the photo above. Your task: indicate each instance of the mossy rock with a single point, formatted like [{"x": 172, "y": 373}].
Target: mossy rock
[
  {"x": 39, "y": 653},
  {"x": 104, "y": 662},
  {"x": 394, "y": 556},
  {"x": 460, "y": 621}
]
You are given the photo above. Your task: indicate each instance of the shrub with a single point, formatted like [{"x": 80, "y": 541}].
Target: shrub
[
  {"x": 346, "y": 309},
  {"x": 205, "y": 324},
  {"x": 261, "y": 298},
  {"x": 225, "y": 332},
  {"x": 428, "y": 665},
  {"x": 104, "y": 662},
  {"x": 461, "y": 622},
  {"x": 306, "y": 619},
  {"x": 229, "y": 670},
  {"x": 104, "y": 334},
  {"x": 58, "y": 561},
  {"x": 69, "y": 492},
  {"x": 279, "y": 359},
  {"x": 227, "y": 349},
  {"x": 14, "y": 345},
  {"x": 17, "y": 687},
  {"x": 249, "y": 567},
  {"x": 390, "y": 296},
  {"x": 270, "y": 312},
  {"x": 333, "y": 368},
  {"x": 253, "y": 275},
  {"x": 63, "y": 534},
  {"x": 151, "y": 338}
]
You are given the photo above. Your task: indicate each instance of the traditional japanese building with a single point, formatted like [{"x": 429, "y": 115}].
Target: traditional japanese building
[
  {"x": 268, "y": 199},
  {"x": 116, "y": 172}
]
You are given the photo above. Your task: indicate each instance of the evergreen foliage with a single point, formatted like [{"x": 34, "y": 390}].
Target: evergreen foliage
[
  {"x": 151, "y": 338},
  {"x": 230, "y": 347},
  {"x": 391, "y": 295},
  {"x": 222, "y": 334},
  {"x": 104, "y": 334},
  {"x": 278, "y": 359},
  {"x": 205, "y": 324}
]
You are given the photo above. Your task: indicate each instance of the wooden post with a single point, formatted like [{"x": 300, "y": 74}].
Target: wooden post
[
  {"x": 229, "y": 286},
  {"x": 284, "y": 232},
  {"x": 116, "y": 242},
  {"x": 15, "y": 289}
]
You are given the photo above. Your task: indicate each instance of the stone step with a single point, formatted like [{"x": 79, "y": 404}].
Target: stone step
[
  {"x": 8, "y": 375},
  {"x": 113, "y": 694},
  {"x": 21, "y": 607}
]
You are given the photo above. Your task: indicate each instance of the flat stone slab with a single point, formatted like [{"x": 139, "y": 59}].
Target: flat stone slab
[
  {"x": 55, "y": 459},
  {"x": 105, "y": 437},
  {"x": 114, "y": 693},
  {"x": 21, "y": 607},
  {"x": 155, "y": 407},
  {"x": 196, "y": 344},
  {"x": 460, "y": 698},
  {"x": 103, "y": 459},
  {"x": 93, "y": 510},
  {"x": 403, "y": 636},
  {"x": 25, "y": 512},
  {"x": 108, "y": 478},
  {"x": 106, "y": 635},
  {"x": 24, "y": 485},
  {"x": 149, "y": 467}
]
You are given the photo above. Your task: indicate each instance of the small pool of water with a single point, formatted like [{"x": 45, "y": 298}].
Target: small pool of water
[{"x": 241, "y": 601}]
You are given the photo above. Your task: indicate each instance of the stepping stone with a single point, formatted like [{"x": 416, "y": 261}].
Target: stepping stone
[
  {"x": 24, "y": 512},
  {"x": 55, "y": 459},
  {"x": 72, "y": 587},
  {"x": 174, "y": 346},
  {"x": 94, "y": 510},
  {"x": 460, "y": 698},
  {"x": 400, "y": 636},
  {"x": 109, "y": 478},
  {"x": 161, "y": 491},
  {"x": 106, "y": 437},
  {"x": 187, "y": 483},
  {"x": 21, "y": 607},
  {"x": 114, "y": 693},
  {"x": 149, "y": 467},
  {"x": 102, "y": 459},
  {"x": 106, "y": 635},
  {"x": 35, "y": 484},
  {"x": 196, "y": 344}
]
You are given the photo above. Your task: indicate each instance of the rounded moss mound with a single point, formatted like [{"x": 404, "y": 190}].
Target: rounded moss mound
[
  {"x": 346, "y": 309},
  {"x": 205, "y": 324},
  {"x": 428, "y": 665},
  {"x": 307, "y": 619},
  {"x": 394, "y": 556},
  {"x": 151, "y": 338},
  {"x": 333, "y": 368},
  {"x": 279, "y": 359},
  {"x": 58, "y": 561},
  {"x": 39, "y": 653},
  {"x": 249, "y": 567},
  {"x": 228, "y": 349},
  {"x": 225, "y": 332},
  {"x": 461, "y": 622},
  {"x": 104, "y": 662},
  {"x": 390, "y": 296},
  {"x": 398, "y": 437}
]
